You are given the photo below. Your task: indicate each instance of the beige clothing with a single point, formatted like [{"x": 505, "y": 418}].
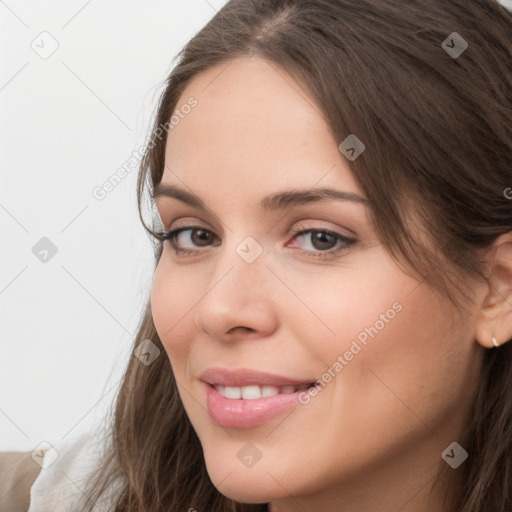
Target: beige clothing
[
  {"x": 18, "y": 471},
  {"x": 56, "y": 478}
]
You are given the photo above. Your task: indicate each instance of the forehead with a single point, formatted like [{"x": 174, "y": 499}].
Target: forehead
[{"x": 253, "y": 124}]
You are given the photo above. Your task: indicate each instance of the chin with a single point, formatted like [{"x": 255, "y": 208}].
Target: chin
[{"x": 242, "y": 484}]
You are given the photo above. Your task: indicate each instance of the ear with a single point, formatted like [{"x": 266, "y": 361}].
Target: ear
[{"x": 494, "y": 316}]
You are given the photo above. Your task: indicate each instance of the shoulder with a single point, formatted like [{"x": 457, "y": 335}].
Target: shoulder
[
  {"x": 58, "y": 480},
  {"x": 69, "y": 469},
  {"x": 18, "y": 471}
]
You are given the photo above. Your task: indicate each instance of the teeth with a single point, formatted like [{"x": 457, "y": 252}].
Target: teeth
[
  {"x": 230, "y": 392},
  {"x": 255, "y": 391},
  {"x": 250, "y": 392},
  {"x": 269, "y": 391}
]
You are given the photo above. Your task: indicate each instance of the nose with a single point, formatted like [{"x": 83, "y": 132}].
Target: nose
[{"x": 239, "y": 302}]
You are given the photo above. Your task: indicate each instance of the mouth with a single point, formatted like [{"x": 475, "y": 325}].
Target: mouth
[
  {"x": 245, "y": 407},
  {"x": 245, "y": 398}
]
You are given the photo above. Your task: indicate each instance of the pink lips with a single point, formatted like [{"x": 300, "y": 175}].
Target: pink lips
[
  {"x": 246, "y": 377},
  {"x": 244, "y": 413}
]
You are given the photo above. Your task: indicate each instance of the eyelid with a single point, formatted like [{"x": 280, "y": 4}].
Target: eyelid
[
  {"x": 187, "y": 224},
  {"x": 314, "y": 226}
]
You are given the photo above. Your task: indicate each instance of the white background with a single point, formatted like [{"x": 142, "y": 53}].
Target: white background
[{"x": 67, "y": 123}]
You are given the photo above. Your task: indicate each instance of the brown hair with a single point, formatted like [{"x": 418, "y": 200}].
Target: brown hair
[{"x": 438, "y": 136}]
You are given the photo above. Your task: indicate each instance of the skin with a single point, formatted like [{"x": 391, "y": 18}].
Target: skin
[{"x": 372, "y": 438}]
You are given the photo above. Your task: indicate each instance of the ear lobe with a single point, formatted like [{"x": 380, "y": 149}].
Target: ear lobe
[{"x": 495, "y": 314}]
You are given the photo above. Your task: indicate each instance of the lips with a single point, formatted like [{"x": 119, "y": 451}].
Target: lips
[
  {"x": 246, "y": 413},
  {"x": 247, "y": 398},
  {"x": 218, "y": 376}
]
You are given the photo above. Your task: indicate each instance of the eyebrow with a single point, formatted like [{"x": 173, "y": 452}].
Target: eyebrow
[{"x": 278, "y": 201}]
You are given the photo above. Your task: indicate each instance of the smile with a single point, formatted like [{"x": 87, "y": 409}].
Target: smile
[
  {"x": 256, "y": 391},
  {"x": 246, "y": 407}
]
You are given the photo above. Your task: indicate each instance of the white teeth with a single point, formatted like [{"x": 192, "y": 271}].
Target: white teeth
[
  {"x": 230, "y": 392},
  {"x": 255, "y": 391},
  {"x": 251, "y": 392},
  {"x": 269, "y": 390}
]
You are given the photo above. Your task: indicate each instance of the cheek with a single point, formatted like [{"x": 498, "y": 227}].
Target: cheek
[
  {"x": 397, "y": 344},
  {"x": 400, "y": 382},
  {"x": 171, "y": 310},
  {"x": 350, "y": 310}
]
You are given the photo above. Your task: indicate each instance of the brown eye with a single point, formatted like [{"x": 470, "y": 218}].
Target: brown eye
[
  {"x": 322, "y": 241},
  {"x": 201, "y": 237},
  {"x": 192, "y": 236}
]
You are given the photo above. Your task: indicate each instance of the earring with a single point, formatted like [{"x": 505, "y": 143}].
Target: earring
[{"x": 495, "y": 341}]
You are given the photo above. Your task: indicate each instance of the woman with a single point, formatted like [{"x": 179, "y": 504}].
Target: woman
[{"x": 329, "y": 320}]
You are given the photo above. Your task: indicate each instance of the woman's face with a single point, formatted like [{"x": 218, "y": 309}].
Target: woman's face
[{"x": 395, "y": 368}]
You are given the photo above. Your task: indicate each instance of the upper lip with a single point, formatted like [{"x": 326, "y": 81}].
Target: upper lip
[{"x": 247, "y": 377}]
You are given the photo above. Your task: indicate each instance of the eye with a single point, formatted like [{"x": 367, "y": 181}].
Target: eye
[
  {"x": 324, "y": 242},
  {"x": 196, "y": 236}
]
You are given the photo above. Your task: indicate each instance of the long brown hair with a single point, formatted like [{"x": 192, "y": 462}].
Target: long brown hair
[{"x": 438, "y": 135}]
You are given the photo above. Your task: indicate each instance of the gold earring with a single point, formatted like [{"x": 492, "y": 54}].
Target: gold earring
[{"x": 495, "y": 341}]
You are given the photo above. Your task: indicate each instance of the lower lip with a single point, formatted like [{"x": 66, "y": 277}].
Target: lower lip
[{"x": 243, "y": 413}]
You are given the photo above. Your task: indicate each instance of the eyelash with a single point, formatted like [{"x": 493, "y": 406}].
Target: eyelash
[{"x": 346, "y": 242}]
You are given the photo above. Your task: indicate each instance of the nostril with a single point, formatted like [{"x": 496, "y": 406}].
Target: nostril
[{"x": 246, "y": 329}]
